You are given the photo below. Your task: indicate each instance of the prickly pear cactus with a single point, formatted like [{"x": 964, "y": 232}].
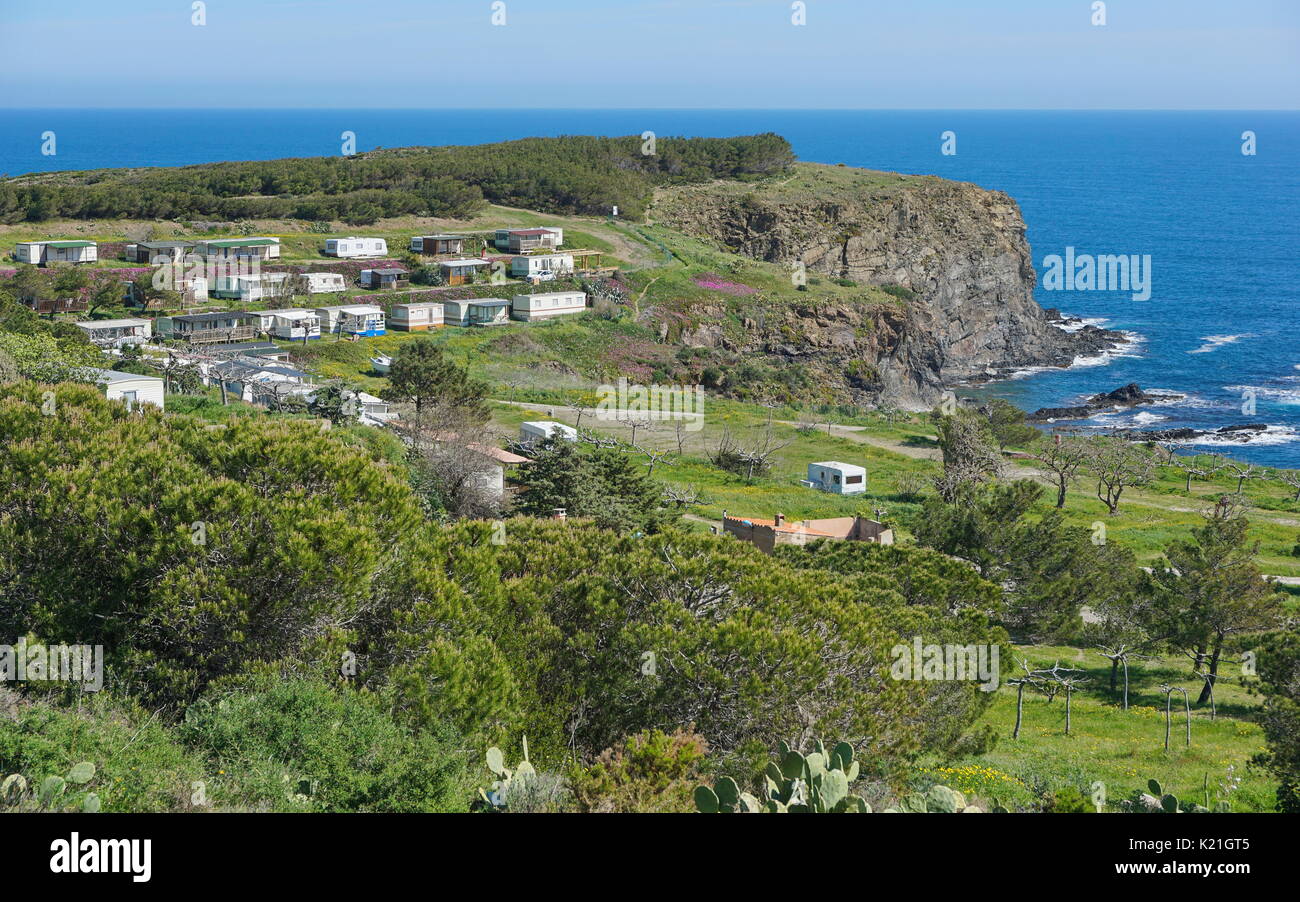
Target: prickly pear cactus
[
  {"x": 814, "y": 783},
  {"x": 507, "y": 778}
]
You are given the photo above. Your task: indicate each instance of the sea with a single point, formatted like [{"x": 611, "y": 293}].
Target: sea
[{"x": 1206, "y": 203}]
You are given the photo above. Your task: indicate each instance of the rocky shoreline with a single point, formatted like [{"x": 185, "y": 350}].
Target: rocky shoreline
[{"x": 1124, "y": 397}]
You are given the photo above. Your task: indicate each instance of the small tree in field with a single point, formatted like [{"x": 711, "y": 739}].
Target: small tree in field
[
  {"x": 1117, "y": 464},
  {"x": 1062, "y": 456}
]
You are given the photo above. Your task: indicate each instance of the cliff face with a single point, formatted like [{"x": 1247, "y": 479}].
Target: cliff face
[{"x": 960, "y": 250}]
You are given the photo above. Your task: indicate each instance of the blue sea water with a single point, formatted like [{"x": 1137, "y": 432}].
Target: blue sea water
[{"x": 1220, "y": 227}]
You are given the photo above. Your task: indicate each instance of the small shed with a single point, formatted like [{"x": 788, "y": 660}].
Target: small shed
[{"x": 385, "y": 277}]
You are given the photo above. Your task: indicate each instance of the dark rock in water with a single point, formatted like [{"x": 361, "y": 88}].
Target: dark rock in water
[
  {"x": 1240, "y": 433},
  {"x": 1130, "y": 395},
  {"x": 1125, "y": 396}
]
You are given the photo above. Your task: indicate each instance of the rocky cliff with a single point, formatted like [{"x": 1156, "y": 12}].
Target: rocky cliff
[{"x": 954, "y": 255}]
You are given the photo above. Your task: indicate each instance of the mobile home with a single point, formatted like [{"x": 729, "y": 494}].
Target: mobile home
[
  {"x": 521, "y": 241},
  {"x": 324, "y": 282},
  {"x": 438, "y": 244},
  {"x": 461, "y": 272},
  {"x": 43, "y": 252},
  {"x": 529, "y": 307},
  {"x": 296, "y": 325},
  {"x": 356, "y": 247},
  {"x": 541, "y": 267},
  {"x": 417, "y": 317},
  {"x": 479, "y": 312},
  {"x": 538, "y": 430},
  {"x": 248, "y": 288},
  {"x": 351, "y": 319},
  {"x": 115, "y": 333},
  {"x": 234, "y": 248},
  {"x": 159, "y": 251},
  {"x": 129, "y": 387},
  {"x": 204, "y": 328},
  {"x": 836, "y": 477}
]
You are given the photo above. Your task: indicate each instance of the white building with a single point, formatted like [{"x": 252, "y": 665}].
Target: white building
[
  {"x": 296, "y": 325},
  {"x": 541, "y": 267},
  {"x": 250, "y": 287},
  {"x": 529, "y": 307},
  {"x": 129, "y": 387},
  {"x": 234, "y": 248},
  {"x": 836, "y": 477},
  {"x": 115, "y": 333},
  {"x": 324, "y": 282},
  {"x": 419, "y": 316},
  {"x": 356, "y": 247},
  {"x": 352, "y": 319},
  {"x": 41, "y": 252},
  {"x": 538, "y": 430}
]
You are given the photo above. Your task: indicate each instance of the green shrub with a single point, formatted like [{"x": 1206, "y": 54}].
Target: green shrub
[{"x": 301, "y": 745}]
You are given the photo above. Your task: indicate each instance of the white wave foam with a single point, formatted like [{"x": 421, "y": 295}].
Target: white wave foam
[
  {"x": 1214, "y": 342},
  {"x": 1272, "y": 435},
  {"x": 1076, "y": 325},
  {"x": 1281, "y": 395}
]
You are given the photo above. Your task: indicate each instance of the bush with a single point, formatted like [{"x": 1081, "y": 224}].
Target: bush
[
  {"x": 300, "y": 744},
  {"x": 648, "y": 772}
]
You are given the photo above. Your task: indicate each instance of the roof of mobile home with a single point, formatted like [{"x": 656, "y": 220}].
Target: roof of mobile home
[
  {"x": 489, "y": 302},
  {"x": 834, "y": 465},
  {"x": 443, "y": 237},
  {"x": 383, "y": 271},
  {"x": 62, "y": 243},
  {"x": 241, "y": 242},
  {"x": 464, "y": 263},
  {"x": 112, "y": 377},
  {"x": 208, "y": 317},
  {"x": 112, "y": 323},
  {"x": 356, "y": 309}
]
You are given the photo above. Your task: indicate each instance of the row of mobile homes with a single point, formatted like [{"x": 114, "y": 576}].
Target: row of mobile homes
[
  {"x": 431, "y": 245},
  {"x": 531, "y": 307},
  {"x": 385, "y": 277},
  {"x": 116, "y": 333},
  {"x": 249, "y": 288},
  {"x": 157, "y": 252},
  {"x": 522, "y": 241},
  {"x": 541, "y": 267},
  {"x": 477, "y": 312},
  {"x": 324, "y": 282},
  {"x": 236, "y": 248},
  {"x": 461, "y": 272},
  {"x": 45, "y": 252},
  {"x": 356, "y": 247},
  {"x": 129, "y": 387},
  {"x": 420, "y": 316},
  {"x": 206, "y": 328}
]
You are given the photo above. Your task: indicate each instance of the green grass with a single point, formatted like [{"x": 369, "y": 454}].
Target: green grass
[{"x": 1122, "y": 749}]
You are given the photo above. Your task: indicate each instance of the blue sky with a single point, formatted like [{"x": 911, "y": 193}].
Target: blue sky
[{"x": 873, "y": 54}]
